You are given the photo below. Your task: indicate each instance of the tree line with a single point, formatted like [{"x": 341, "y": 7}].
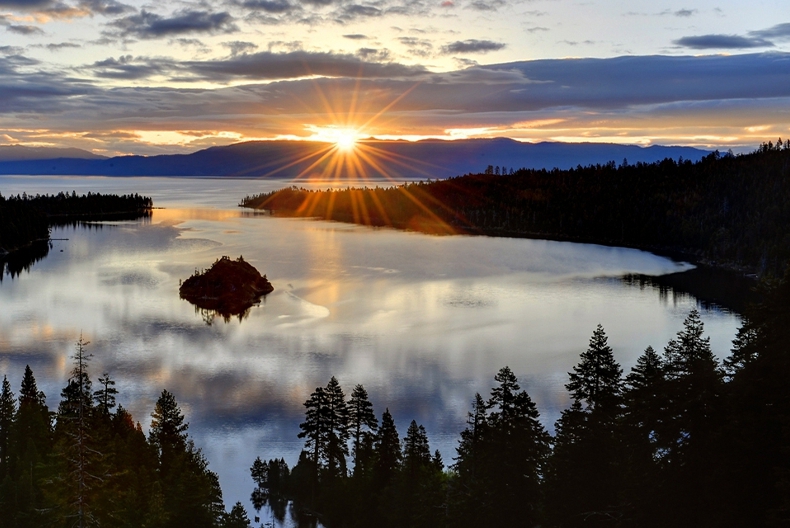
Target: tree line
[
  {"x": 88, "y": 463},
  {"x": 724, "y": 208},
  {"x": 25, "y": 219},
  {"x": 681, "y": 440}
]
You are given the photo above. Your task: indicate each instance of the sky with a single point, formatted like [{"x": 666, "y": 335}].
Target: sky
[{"x": 130, "y": 77}]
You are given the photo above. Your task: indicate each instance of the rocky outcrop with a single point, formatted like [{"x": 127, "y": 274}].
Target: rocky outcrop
[{"x": 228, "y": 287}]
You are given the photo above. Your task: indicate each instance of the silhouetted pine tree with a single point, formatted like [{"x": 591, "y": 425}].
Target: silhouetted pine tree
[
  {"x": 190, "y": 492},
  {"x": 337, "y": 429},
  {"x": 7, "y": 412},
  {"x": 585, "y": 482},
  {"x": 362, "y": 427},
  {"x": 644, "y": 409},
  {"x": 105, "y": 397},
  {"x": 501, "y": 460},
  {"x": 387, "y": 451},
  {"x": 79, "y": 460},
  {"x": 236, "y": 518},
  {"x": 692, "y": 426}
]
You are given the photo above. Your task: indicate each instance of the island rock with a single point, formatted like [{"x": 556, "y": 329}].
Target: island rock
[{"x": 228, "y": 287}]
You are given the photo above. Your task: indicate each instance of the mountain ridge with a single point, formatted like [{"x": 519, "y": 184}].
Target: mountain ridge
[{"x": 393, "y": 159}]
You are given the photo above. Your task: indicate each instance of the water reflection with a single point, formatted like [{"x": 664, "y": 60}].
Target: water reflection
[{"x": 423, "y": 322}]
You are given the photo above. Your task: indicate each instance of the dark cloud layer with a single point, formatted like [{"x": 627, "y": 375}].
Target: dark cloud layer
[
  {"x": 261, "y": 66},
  {"x": 267, "y": 65},
  {"x": 778, "y": 32},
  {"x": 269, "y": 6},
  {"x": 149, "y": 25},
  {"x": 723, "y": 42},
  {"x": 570, "y": 89},
  {"x": 25, "y": 29},
  {"x": 25, "y": 4},
  {"x": 472, "y": 46}
]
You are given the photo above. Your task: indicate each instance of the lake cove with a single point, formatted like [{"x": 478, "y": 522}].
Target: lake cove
[{"x": 422, "y": 321}]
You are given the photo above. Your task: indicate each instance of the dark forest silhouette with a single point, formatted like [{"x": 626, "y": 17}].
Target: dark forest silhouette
[
  {"x": 88, "y": 463},
  {"x": 723, "y": 209},
  {"x": 681, "y": 440}
]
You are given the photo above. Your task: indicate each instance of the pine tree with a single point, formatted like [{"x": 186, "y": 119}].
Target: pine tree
[
  {"x": 516, "y": 449},
  {"x": 167, "y": 433},
  {"x": 595, "y": 381},
  {"x": 31, "y": 443},
  {"x": 191, "y": 492},
  {"x": 82, "y": 458},
  {"x": 586, "y": 476},
  {"x": 7, "y": 412},
  {"x": 501, "y": 459},
  {"x": 645, "y": 403},
  {"x": 315, "y": 427},
  {"x": 237, "y": 518},
  {"x": 689, "y": 429},
  {"x": 743, "y": 350},
  {"x": 337, "y": 428},
  {"x": 362, "y": 426},
  {"x": 105, "y": 397},
  {"x": 387, "y": 450},
  {"x": 416, "y": 451}
]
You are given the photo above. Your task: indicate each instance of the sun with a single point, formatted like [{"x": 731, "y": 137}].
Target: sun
[{"x": 346, "y": 140}]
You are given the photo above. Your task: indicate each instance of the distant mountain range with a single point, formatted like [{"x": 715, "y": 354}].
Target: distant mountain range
[
  {"x": 22, "y": 153},
  {"x": 397, "y": 160}
]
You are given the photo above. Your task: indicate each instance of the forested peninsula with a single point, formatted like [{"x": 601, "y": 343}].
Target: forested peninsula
[
  {"x": 725, "y": 210},
  {"x": 682, "y": 440},
  {"x": 26, "y": 219}
]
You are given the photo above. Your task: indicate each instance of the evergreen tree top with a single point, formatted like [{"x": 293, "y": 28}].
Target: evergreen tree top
[
  {"x": 690, "y": 351},
  {"x": 649, "y": 367},
  {"x": 596, "y": 380},
  {"x": 167, "y": 424},
  {"x": 29, "y": 393}
]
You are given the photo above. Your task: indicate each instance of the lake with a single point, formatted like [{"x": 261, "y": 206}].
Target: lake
[{"x": 422, "y": 321}]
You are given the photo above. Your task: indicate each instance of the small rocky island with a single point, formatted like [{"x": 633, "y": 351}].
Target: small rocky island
[{"x": 228, "y": 288}]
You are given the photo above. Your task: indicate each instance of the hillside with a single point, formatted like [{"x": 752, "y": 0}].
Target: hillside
[{"x": 400, "y": 160}]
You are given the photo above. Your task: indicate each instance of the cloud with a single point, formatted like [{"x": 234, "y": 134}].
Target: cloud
[
  {"x": 472, "y": 46},
  {"x": 25, "y": 29},
  {"x": 147, "y": 25},
  {"x": 373, "y": 54},
  {"x": 778, "y": 32},
  {"x": 26, "y": 4},
  {"x": 61, "y": 46},
  {"x": 722, "y": 42},
  {"x": 356, "y": 36},
  {"x": 105, "y": 7},
  {"x": 62, "y": 10},
  {"x": 353, "y": 11},
  {"x": 417, "y": 46},
  {"x": 269, "y": 6},
  {"x": 685, "y": 13},
  {"x": 261, "y": 66},
  {"x": 129, "y": 68},
  {"x": 237, "y": 47},
  {"x": 269, "y": 66},
  {"x": 486, "y": 5}
]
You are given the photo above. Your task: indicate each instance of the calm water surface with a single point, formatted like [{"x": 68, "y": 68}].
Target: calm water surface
[{"x": 423, "y": 322}]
